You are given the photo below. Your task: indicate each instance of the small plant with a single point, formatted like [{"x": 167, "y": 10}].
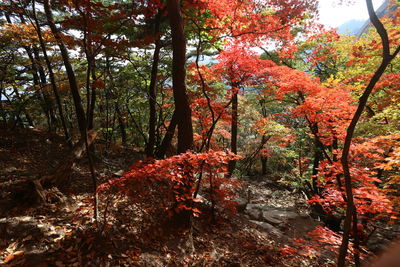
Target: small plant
[{"x": 176, "y": 182}]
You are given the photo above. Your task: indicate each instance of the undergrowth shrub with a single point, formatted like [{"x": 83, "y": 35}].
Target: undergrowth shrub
[{"x": 172, "y": 185}]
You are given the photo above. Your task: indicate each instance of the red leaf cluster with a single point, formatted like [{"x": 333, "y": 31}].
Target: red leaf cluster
[{"x": 177, "y": 180}]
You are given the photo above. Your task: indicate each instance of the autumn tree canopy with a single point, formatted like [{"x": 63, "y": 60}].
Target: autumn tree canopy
[{"x": 215, "y": 96}]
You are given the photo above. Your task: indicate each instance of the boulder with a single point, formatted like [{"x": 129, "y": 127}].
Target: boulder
[
  {"x": 270, "y": 229},
  {"x": 266, "y": 216},
  {"x": 253, "y": 206},
  {"x": 283, "y": 214},
  {"x": 242, "y": 204},
  {"x": 254, "y": 214}
]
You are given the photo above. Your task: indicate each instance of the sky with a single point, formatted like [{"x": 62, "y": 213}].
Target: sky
[{"x": 333, "y": 15}]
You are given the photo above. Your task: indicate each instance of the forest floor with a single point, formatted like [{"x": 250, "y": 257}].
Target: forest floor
[{"x": 65, "y": 234}]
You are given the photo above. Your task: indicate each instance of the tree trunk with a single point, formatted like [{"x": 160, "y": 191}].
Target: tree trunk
[
  {"x": 317, "y": 158},
  {"x": 234, "y": 130},
  {"x": 121, "y": 124},
  {"x": 387, "y": 57},
  {"x": 52, "y": 78},
  {"x": 264, "y": 161},
  {"x": 34, "y": 57},
  {"x": 36, "y": 69},
  {"x": 166, "y": 142},
  {"x": 42, "y": 95},
  {"x": 182, "y": 106},
  {"x": 153, "y": 97},
  {"x": 48, "y": 101},
  {"x": 92, "y": 106},
  {"x": 3, "y": 115},
  {"x": 91, "y": 72},
  {"x": 80, "y": 113}
]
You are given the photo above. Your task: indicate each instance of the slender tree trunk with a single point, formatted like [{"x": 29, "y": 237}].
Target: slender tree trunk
[
  {"x": 35, "y": 76},
  {"x": 22, "y": 109},
  {"x": 52, "y": 78},
  {"x": 387, "y": 57},
  {"x": 91, "y": 73},
  {"x": 300, "y": 165},
  {"x": 153, "y": 97},
  {"x": 318, "y": 155},
  {"x": 121, "y": 124},
  {"x": 182, "y": 106},
  {"x": 29, "y": 119},
  {"x": 234, "y": 130},
  {"x": 93, "y": 97},
  {"x": 48, "y": 101},
  {"x": 264, "y": 161},
  {"x": 166, "y": 142},
  {"x": 42, "y": 96},
  {"x": 315, "y": 169},
  {"x": 34, "y": 57},
  {"x": 3, "y": 115},
  {"x": 80, "y": 113}
]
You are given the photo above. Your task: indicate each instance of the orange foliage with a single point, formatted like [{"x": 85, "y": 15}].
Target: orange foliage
[{"x": 176, "y": 180}]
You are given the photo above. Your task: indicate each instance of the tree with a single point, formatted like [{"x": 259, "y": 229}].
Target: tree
[
  {"x": 387, "y": 57},
  {"x": 182, "y": 106}
]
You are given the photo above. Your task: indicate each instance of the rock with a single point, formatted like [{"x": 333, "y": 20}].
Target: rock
[
  {"x": 377, "y": 243},
  {"x": 268, "y": 208},
  {"x": 283, "y": 214},
  {"x": 253, "y": 206},
  {"x": 254, "y": 214},
  {"x": 242, "y": 203},
  {"x": 19, "y": 226},
  {"x": 119, "y": 173},
  {"x": 266, "y": 216},
  {"x": 304, "y": 215},
  {"x": 270, "y": 229},
  {"x": 260, "y": 207},
  {"x": 277, "y": 217},
  {"x": 151, "y": 260}
]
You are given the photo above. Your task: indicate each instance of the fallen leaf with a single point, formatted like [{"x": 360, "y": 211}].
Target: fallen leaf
[
  {"x": 59, "y": 264},
  {"x": 11, "y": 257}
]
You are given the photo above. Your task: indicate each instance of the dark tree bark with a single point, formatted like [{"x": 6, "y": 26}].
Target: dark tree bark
[
  {"x": 234, "y": 131},
  {"x": 153, "y": 96},
  {"x": 387, "y": 57},
  {"x": 80, "y": 113},
  {"x": 42, "y": 95},
  {"x": 21, "y": 109},
  {"x": 182, "y": 106},
  {"x": 52, "y": 77},
  {"x": 91, "y": 73},
  {"x": 264, "y": 161},
  {"x": 38, "y": 71},
  {"x": 93, "y": 97},
  {"x": 90, "y": 91},
  {"x": 317, "y": 159},
  {"x": 47, "y": 99},
  {"x": 121, "y": 124},
  {"x": 3, "y": 115},
  {"x": 166, "y": 142}
]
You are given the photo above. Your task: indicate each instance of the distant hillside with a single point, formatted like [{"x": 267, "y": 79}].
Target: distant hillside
[
  {"x": 383, "y": 11},
  {"x": 351, "y": 27},
  {"x": 358, "y": 27}
]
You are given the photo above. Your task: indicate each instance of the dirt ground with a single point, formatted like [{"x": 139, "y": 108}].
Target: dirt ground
[{"x": 65, "y": 234}]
